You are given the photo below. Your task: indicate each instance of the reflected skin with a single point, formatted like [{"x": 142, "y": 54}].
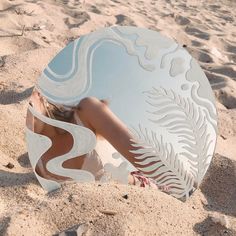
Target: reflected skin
[
  {"x": 95, "y": 115},
  {"x": 62, "y": 141}
]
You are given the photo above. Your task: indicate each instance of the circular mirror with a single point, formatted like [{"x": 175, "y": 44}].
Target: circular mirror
[{"x": 122, "y": 101}]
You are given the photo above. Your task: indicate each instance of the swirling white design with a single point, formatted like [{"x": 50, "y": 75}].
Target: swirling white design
[
  {"x": 37, "y": 145},
  {"x": 79, "y": 83},
  {"x": 84, "y": 142},
  {"x": 74, "y": 65},
  {"x": 153, "y": 42}
]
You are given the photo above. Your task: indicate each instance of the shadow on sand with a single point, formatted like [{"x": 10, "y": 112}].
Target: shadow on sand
[
  {"x": 24, "y": 161},
  {"x": 11, "y": 96},
  {"x": 4, "y": 223},
  {"x": 16, "y": 179},
  {"x": 210, "y": 228},
  {"x": 219, "y": 188}
]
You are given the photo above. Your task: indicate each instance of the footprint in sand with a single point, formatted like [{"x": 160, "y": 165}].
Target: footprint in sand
[
  {"x": 226, "y": 18},
  {"x": 231, "y": 53},
  {"x": 65, "y": 2},
  {"x": 231, "y": 48},
  {"x": 76, "y": 19},
  {"x": 116, "y": 1},
  {"x": 196, "y": 43},
  {"x": 200, "y": 55},
  {"x": 14, "y": 45},
  {"x": 94, "y": 9},
  {"x": 181, "y": 20},
  {"x": 225, "y": 70},
  {"x": 196, "y": 32},
  {"x": 216, "y": 81},
  {"x": 204, "y": 57},
  {"x": 226, "y": 96},
  {"x": 225, "y": 12},
  {"x": 182, "y": 6},
  {"x": 124, "y": 20},
  {"x": 214, "y": 7}
]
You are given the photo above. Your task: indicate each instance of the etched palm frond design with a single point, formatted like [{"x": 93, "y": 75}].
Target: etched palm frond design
[
  {"x": 181, "y": 116},
  {"x": 159, "y": 162}
]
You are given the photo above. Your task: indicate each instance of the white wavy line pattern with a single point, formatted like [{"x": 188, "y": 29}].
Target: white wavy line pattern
[
  {"x": 58, "y": 92},
  {"x": 84, "y": 142}
]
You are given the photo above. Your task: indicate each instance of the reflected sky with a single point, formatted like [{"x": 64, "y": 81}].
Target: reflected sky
[{"x": 118, "y": 77}]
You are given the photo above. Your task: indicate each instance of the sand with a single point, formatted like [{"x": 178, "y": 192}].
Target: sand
[{"x": 31, "y": 33}]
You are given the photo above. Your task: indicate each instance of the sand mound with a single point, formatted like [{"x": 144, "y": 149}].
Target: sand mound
[{"x": 122, "y": 210}]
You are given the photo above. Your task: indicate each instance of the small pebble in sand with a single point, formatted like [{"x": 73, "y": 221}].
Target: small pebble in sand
[
  {"x": 125, "y": 196},
  {"x": 108, "y": 212},
  {"x": 222, "y": 136},
  {"x": 70, "y": 198},
  {"x": 9, "y": 165}
]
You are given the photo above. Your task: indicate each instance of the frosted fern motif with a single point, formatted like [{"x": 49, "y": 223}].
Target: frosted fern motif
[
  {"x": 160, "y": 162},
  {"x": 183, "y": 117}
]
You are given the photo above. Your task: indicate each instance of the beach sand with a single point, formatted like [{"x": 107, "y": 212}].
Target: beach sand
[{"x": 31, "y": 34}]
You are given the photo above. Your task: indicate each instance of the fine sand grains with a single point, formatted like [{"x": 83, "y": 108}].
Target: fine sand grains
[{"x": 31, "y": 33}]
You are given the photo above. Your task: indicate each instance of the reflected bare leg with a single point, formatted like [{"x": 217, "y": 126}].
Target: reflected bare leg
[{"x": 97, "y": 116}]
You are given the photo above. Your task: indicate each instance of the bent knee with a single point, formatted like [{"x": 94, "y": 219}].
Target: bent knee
[{"x": 91, "y": 103}]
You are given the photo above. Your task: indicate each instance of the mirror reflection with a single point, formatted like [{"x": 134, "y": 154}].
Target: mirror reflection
[
  {"x": 122, "y": 104},
  {"x": 95, "y": 115}
]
